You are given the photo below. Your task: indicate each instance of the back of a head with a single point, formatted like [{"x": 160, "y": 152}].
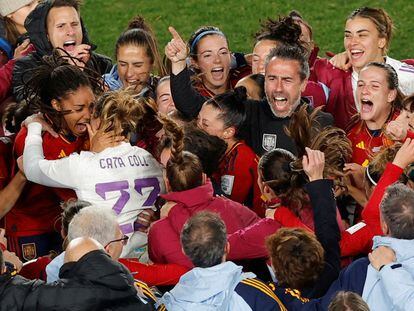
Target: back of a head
[
  {"x": 231, "y": 107},
  {"x": 397, "y": 210},
  {"x": 183, "y": 170},
  {"x": 347, "y": 301},
  {"x": 284, "y": 30},
  {"x": 94, "y": 222},
  {"x": 120, "y": 112},
  {"x": 297, "y": 257},
  {"x": 70, "y": 208},
  {"x": 204, "y": 239},
  {"x": 79, "y": 247}
]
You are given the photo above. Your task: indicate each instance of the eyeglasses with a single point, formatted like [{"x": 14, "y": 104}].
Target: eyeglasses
[{"x": 123, "y": 240}]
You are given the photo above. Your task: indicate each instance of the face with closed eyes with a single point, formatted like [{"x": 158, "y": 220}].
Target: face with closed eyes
[{"x": 134, "y": 66}]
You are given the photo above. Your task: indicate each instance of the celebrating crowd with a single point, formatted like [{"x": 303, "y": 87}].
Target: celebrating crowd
[{"x": 203, "y": 178}]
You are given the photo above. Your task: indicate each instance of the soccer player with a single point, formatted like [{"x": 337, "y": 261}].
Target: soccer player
[
  {"x": 368, "y": 33},
  {"x": 121, "y": 177},
  {"x": 63, "y": 93}
]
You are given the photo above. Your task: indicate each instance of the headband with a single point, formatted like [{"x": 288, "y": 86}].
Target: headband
[{"x": 203, "y": 34}]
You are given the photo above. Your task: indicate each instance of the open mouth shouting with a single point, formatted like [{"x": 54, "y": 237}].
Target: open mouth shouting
[
  {"x": 356, "y": 54},
  {"x": 366, "y": 106},
  {"x": 217, "y": 73},
  {"x": 69, "y": 46}
]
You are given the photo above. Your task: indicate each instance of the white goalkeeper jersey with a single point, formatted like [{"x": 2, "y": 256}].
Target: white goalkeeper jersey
[{"x": 125, "y": 178}]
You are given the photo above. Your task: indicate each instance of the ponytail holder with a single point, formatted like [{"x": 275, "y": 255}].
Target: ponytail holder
[{"x": 201, "y": 35}]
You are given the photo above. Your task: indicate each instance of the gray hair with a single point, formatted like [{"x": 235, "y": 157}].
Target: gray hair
[
  {"x": 204, "y": 238},
  {"x": 290, "y": 52},
  {"x": 397, "y": 210},
  {"x": 94, "y": 222}
]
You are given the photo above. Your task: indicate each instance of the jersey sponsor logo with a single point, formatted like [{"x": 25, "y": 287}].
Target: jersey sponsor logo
[
  {"x": 269, "y": 141},
  {"x": 360, "y": 145},
  {"x": 365, "y": 163},
  {"x": 62, "y": 154},
  {"x": 29, "y": 251},
  {"x": 227, "y": 182}
]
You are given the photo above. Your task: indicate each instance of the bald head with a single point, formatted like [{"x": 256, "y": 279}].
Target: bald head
[{"x": 79, "y": 247}]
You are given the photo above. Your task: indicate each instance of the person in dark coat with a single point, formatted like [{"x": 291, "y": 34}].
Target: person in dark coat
[
  {"x": 57, "y": 24},
  {"x": 91, "y": 280}
]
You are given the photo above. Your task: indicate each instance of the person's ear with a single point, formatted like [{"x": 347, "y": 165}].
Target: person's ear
[
  {"x": 56, "y": 105},
  {"x": 229, "y": 132},
  {"x": 392, "y": 95},
  {"x": 382, "y": 42}
]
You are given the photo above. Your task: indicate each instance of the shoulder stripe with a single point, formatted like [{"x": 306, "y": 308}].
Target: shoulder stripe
[
  {"x": 147, "y": 291},
  {"x": 264, "y": 289},
  {"x": 161, "y": 308}
]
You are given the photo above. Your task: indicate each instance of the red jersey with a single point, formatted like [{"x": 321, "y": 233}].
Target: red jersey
[
  {"x": 237, "y": 175},
  {"x": 366, "y": 143},
  {"x": 38, "y": 208}
]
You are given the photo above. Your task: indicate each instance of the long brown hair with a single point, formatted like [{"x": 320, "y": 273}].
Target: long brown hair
[{"x": 184, "y": 170}]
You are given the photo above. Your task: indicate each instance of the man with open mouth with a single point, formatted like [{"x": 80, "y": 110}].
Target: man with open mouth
[
  {"x": 56, "y": 24},
  {"x": 286, "y": 76}
]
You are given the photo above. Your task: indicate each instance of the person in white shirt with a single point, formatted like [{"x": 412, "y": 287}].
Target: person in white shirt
[{"x": 117, "y": 176}]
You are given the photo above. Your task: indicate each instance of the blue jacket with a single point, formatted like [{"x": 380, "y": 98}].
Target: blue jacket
[
  {"x": 112, "y": 79},
  {"x": 219, "y": 288}
]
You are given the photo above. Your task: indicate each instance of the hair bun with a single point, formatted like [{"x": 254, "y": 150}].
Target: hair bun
[
  {"x": 138, "y": 22},
  {"x": 240, "y": 93}
]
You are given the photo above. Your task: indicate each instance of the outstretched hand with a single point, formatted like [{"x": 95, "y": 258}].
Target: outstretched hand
[
  {"x": 176, "y": 50},
  {"x": 313, "y": 164}
]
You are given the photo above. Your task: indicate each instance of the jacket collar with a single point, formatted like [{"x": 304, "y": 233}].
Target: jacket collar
[{"x": 193, "y": 196}]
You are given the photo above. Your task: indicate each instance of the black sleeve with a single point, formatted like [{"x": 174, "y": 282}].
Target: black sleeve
[
  {"x": 187, "y": 100},
  {"x": 21, "y": 70},
  {"x": 100, "y": 63},
  {"x": 326, "y": 230},
  {"x": 325, "y": 119}
]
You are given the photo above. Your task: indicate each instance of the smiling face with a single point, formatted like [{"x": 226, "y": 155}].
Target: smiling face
[
  {"x": 134, "y": 66},
  {"x": 164, "y": 98},
  {"x": 75, "y": 108},
  {"x": 363, "y": 43},
  {"x": 210, "y": 122},
  {"x": 64, "y": 28},
  {"x": 260, "y": 52},
  {"x": 375, "y": 96},
  {"x": 213, "y": 60},
  {"x": 283, "y": 86}
]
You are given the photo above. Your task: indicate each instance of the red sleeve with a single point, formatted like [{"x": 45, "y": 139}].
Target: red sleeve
[
  {"x": 410, "y": 134},
  {"x": 19, "y": 142},
  {"x": 315, "y": 93},
  {"x": 249, "y": 243},
  {"x": 6, "y": 73},
  {"x": 155, "y": 274},
  {"x": 286, "y": 218},
  {"x": 353, "y": 244},
  {"x": 360, "y": 241},
  {"x": 370, "y": 213},
  {"x": 243, "y": 177}
]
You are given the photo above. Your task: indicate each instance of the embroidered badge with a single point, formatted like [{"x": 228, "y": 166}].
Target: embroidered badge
[
  {"x": 269, "y": 141},
  {"x": 29, "y": 251}
]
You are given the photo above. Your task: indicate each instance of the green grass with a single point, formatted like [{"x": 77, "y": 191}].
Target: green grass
[{"x": 106, "y": 19}]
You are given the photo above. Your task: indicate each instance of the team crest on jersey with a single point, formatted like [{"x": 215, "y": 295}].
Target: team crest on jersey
[
  {"x": 29, "y": 251},
  {"x": 269, "y": 141}
]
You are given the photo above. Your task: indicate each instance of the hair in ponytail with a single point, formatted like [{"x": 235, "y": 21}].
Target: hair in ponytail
[
  {"x": 55, "y": 79},
  {"x": 231, "y": 106},
  {"x": 140, "y": 34},
  {"x": 184, "y": 170},
  {"x": 120, "y": 112}
]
